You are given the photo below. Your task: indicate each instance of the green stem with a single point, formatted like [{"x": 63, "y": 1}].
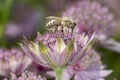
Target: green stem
[
  {"x": 59, "y": 72},
  {"x": 4, "y": 15}
]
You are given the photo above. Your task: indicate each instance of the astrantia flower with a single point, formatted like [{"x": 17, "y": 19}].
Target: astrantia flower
[
  {"x": 91, "y": 17},
  {"x": 88, "y": 68},
  {"x": 57, "y": 49},
  {"x": 14, "y": 61},
  {"x": 26, "y": 76}
]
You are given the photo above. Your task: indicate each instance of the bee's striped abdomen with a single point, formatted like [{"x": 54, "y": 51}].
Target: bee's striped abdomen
[{"x": 53, "y": 25}]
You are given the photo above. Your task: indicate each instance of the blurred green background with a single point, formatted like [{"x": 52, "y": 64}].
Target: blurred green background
[{"x": 20, "y": 18}]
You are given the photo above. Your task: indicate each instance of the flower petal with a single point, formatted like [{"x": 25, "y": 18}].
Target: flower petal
[
  {"x": 66, "y": 76},
  {"x": 35, "y": 53},
  {"x": 66, "y": 54},
  {"x": 96, "y": 74},
  {"x": 46, "y": 54},
  {"x": 60, "y": 45},
  {"x": 85, "y": 48}
]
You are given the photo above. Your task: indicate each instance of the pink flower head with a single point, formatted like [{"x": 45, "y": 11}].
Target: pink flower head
[
  {"x": 91, "y": 17},
  {"x": 14, "y": 61},
  {"x": 88, "y": 68},
  {"x": 57, "y": 49},
  {"x": 26, "y": 76}
]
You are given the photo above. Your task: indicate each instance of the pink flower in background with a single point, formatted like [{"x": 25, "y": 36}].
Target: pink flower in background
[
  {"x": 25, "y": 21},
  {"x": 91, "y": 17},
  {"x": 57, "y": 49},
  {"x": 88, "y": 68},
  {"x": 94, "y": 17},
  {"x": 26, "y": 76},
  {"x": 13, "y": 61}
]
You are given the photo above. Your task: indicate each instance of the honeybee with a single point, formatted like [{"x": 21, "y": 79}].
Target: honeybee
[{"x": 63, "y": 24}]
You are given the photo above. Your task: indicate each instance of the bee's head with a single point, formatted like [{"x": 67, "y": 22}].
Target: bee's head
[{"x": 69, "y": 22}]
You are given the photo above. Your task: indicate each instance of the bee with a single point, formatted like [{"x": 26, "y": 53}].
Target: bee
[{"x": 63, "y": 24}]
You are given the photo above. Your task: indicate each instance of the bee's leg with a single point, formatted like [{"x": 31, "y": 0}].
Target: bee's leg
[
  {"x": 65, "y": 30},
  {"x": 62, "y": 30},
  {"x": 56, "y": 29},
  {"x": 56, "y": 25},
  {"x": 72, "y": 30}
]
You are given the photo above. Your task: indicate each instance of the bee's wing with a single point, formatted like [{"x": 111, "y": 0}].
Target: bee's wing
[{"x": 53, "y": 18}]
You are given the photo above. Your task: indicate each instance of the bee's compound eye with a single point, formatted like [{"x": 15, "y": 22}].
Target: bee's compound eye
[{"x": 74, "y": 24}]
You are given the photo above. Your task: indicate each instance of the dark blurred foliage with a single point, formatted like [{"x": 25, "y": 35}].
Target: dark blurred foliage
[
  {"x": 111, "y": 60},
  {"x": 25, "y": 17}
]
